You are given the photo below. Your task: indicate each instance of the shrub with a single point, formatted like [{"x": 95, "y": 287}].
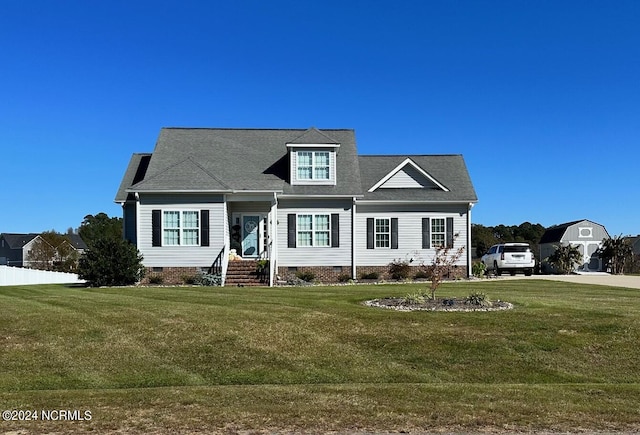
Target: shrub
[
  {"x": 307, "y": 276},
  {"x": 345, "y": 277},
  {"x": 422, "y": 275},
  {"x": 478, "y": 269},
  {"x": 156, "y": 279},
  {"x": 189, "y": 279},
  {"x": 565, "y": 258},
  {"x": 399, "y": 269},
  {"x": 478, "y": 299},
  {"x": 416, "y": 298},
  {"x": 370, "y": 275},
  {"x": 209, "y": 279},
  {"x": 262, "y": 266},
  {"x": 111, "y": 262}
]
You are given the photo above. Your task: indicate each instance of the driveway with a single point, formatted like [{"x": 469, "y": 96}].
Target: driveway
[{"x": 628, "y": 281}]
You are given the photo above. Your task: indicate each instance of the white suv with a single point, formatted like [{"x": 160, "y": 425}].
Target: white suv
[{"x": 509, "y": 257}]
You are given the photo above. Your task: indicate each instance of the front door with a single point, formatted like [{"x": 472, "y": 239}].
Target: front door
[{"x": 250, "y": 235}]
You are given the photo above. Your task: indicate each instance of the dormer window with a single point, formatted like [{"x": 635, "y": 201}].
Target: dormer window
[
  {"x": 313, "y": 165},
  {"x": 313, "y": 157}
]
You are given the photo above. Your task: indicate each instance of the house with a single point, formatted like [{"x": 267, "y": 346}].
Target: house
[
  {"x": 75, "y": 242},
  {"x": 586, "y": 235},
  {"x": 302, "y": 199},
  {"x": 15, "y": 248}
]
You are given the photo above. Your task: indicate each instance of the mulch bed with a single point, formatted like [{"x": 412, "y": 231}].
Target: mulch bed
[{"x": 438, "y": 304}]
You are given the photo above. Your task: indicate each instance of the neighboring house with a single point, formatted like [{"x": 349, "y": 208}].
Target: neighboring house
[
  {"x": 76, "y": 242},
  {"x": 586, "y": 235},
  {"x": 14, "y": 248},
  {"x": 302, "y": 199}
]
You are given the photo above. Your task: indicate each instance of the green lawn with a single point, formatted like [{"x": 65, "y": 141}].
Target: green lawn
[{"x": 226, "y": 359}]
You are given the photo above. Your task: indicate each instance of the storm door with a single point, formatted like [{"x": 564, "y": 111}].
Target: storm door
[{"x": 250, "y": 235}]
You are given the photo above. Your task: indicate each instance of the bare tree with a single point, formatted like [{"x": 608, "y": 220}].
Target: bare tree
[{"x": 442, "y": 264}]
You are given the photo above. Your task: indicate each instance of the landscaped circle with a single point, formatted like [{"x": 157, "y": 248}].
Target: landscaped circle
[{"x": 438, "y": 304}]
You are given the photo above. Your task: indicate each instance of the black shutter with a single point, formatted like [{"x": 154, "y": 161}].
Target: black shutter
[
  {"x": 335, "y": 230},
  {"x": 370, "y": 236},
  {"x": 394, "y": 233},
  {"x": 156, "y": 228},
  {"x": 204, "y": 227},
  {"x": 426, "y": 233},
  {"x": 449, "y": 233},
  {"x": 291, "y": 230}
]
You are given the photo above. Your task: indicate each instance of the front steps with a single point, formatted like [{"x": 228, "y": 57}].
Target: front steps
[{"x": 242, "y": 273}]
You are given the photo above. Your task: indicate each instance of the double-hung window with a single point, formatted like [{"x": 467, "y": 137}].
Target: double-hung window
[
  {"x": 181, "y": 228},
  {"x": 314, "y": 230},
  {"x": 438, "y": 232},
  {"x": 313, "y": 165},
  {"x": 383, "y": 232}
]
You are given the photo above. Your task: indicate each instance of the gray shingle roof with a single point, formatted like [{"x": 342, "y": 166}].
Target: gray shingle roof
[
  {"x": 17, "y": 241},
  {"x": 226, "y": 160},
  {"x": 448, "y": 170},
  {"x": 135, "y": 172},
  {"x": 223, "y": 160},
  {"x": 76, "y": 241}
]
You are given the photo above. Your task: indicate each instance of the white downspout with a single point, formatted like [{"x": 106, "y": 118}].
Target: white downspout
[
  {"x": 137, "y": 196},
  {"x": 354, "y": 275},
  {"x": 273, "y": 239},
  {"x": 225, "y": 255},
  {"x": 469, "y": 269}
]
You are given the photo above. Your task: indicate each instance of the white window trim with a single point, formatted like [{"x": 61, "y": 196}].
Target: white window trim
[
  {"x": 313, "y": 166},
  {"x": 590, "y": 235},
  {"x": 181, "y": 228},
  {"x": 406, "y": 162},
  {"x": 313, "y": 230},
  {"x": 433, "y": 233},
  {"x": 376, "y": 232},
  {"x": 295, "y": 164}
]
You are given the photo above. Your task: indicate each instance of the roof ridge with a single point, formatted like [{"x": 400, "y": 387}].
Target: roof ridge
[
  {"x": 257, "y": 129},
  {"x": 410, "y": 155}
]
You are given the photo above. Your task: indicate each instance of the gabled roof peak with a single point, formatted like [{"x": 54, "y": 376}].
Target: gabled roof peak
[
  {"x": 416, "y": 183},
  {"x": 313, "y": 136}
]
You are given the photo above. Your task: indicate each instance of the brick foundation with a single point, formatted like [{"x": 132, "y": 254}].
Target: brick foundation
[
  {"x": 169, "y": 275},
  {"x": 330, "y": 274},
  {"x": 322, "y": 274}
]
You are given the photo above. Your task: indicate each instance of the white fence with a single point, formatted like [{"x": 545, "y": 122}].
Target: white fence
[{"x": 20, "y": 276}]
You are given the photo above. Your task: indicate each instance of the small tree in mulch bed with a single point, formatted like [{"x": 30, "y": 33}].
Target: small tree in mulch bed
[{"x": 442, "y": 264}]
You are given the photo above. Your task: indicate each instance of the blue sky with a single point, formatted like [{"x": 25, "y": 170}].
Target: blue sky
[{"x": 541, "y": 97}]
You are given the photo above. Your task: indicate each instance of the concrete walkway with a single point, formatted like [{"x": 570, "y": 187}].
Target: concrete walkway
[{"x": 628, "y": 281}]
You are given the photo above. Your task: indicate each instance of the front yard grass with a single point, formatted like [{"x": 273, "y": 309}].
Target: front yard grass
[{"x": 315, "y": 359}]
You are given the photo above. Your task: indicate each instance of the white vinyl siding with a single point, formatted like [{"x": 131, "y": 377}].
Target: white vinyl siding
[
  {"x": 408, "y": 178},
  {"x": 409, "y": 231},
  {"x": 311, "y": 255},
  {"x": 181, "y": 255}
]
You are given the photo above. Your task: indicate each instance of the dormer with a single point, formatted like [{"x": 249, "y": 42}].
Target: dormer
[{"x": 313, "y": 159}]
